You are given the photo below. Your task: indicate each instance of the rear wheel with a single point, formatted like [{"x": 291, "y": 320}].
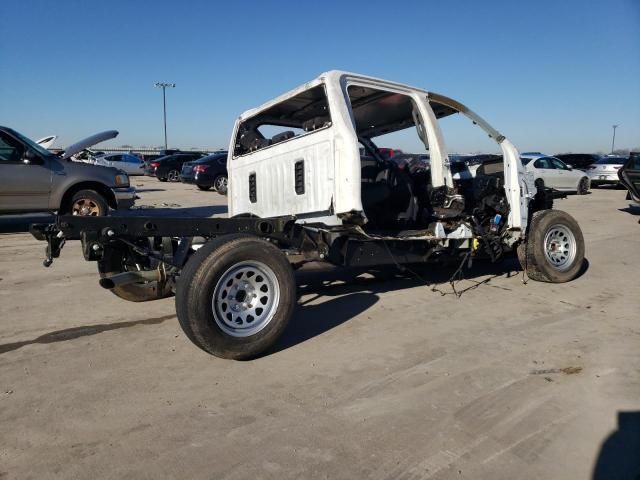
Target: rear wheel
[
  {"x": 173, "y": 176},
  {"x": 554, "y": 248},
  {"x": 220, "y": 184},
  {"x": 88, "y": 203},
  {"x": 235, "y": 296}
]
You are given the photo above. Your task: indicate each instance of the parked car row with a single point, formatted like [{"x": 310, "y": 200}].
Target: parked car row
[
  {"x": 549, "y": 171},
  {"x": 34, "y": 179},
  {"x": 126, "y": 162},
  {"x": 205, "y": 171},
  {"x": 168, "y": 168}
]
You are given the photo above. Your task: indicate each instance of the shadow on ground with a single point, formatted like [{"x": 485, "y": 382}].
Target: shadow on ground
[
  {"x": 619, "y": 456},
  {"x": 631, "y": 210},
  {"x": 147, "y": 190},
  {"x": 84, "y": 331},
  {"x": 331, "y": 296},
  {"x": 348, "y": 293}
]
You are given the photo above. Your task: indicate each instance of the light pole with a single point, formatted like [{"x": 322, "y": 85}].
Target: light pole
[
  {"x": 164, "y": 105},
  {"x": 613, "y": 140}
]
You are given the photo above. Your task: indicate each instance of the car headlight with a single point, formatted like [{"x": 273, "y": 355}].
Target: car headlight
[{"x": 122, "y": 180}]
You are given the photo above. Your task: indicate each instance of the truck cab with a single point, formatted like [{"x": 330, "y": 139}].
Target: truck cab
[{"x": 301, "y": 154}]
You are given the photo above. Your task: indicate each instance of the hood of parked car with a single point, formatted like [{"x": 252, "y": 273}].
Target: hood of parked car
[{"x": 88, "y": 142}]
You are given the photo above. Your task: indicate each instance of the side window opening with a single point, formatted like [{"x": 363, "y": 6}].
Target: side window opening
[
  {"x": 392, "y": 168},
  {"x": 299, "y": 115},
  {"x": 471, "y": 151},
  {"x": 11, "y": 151}
]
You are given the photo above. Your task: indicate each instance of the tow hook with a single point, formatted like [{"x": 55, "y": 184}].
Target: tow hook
[{"x": 55, "y": 242}]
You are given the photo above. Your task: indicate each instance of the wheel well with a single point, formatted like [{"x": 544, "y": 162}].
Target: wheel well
[{"x": 101, "y": 188}]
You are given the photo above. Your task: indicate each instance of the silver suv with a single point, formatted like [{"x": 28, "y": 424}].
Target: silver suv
[{"x": 33, "y": 179}]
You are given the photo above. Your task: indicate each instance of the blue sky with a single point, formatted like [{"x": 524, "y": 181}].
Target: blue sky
[{"x": 551, "y": 75}]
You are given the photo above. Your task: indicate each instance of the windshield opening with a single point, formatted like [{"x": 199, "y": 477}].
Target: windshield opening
[{"x": 32, "y": 145}]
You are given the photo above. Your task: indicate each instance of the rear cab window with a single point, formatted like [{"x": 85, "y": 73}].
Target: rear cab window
[{"x": 302, "y": 114}]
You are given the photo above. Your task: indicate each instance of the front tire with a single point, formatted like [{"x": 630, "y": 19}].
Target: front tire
[
  {"x": 235, "y": 296},
  {"x": 88, "y": 203},
  {"x": 583, "y": 186},
  {"x": 554, "y": 249}
]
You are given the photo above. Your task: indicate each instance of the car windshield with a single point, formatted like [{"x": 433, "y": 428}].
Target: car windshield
[
  {"x": 525, "y": 160},
  {"x": 33, "y": 145},
  {"x": 612, "y": 161}
]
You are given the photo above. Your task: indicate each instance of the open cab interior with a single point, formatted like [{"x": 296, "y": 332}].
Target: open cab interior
[{"x": 399, "y": 197}]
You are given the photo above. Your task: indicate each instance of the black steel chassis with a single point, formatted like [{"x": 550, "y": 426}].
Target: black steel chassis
[
  {"x": 100, "y": 236},
  {"x": 97, "y": 234}
]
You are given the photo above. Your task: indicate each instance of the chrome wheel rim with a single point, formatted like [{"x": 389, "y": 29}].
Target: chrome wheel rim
[
  {"x": 173, "y": 176},
  {"x": 221, "y": 183},
  {"x": 245, "y": 299},
  {"x": 85, "y": 207},
  {"x": 560, "y": 247}
]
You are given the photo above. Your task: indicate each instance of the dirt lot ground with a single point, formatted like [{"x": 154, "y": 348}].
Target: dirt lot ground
[{"x": 372, "y": 380}]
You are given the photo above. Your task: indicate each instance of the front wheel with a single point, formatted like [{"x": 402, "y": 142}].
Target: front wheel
[
  {"x": 235, "y": 296},
  {"x": 88, "y": 203},
  {"x": 583, "y": 186},
  {"x": 554, "y": 248}
]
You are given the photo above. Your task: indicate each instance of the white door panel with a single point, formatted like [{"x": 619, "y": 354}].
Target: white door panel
[{"x": 275, "y": 177}]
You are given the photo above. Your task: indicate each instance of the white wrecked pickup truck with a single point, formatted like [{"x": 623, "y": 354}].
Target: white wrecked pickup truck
[{"x": 307, "y": 183}]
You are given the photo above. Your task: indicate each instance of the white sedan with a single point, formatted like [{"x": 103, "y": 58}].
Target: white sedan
[
  {"x": 605, "y": 170},
  {"x": 130, "y": 164},
  {"x": 552, "y": 172}
]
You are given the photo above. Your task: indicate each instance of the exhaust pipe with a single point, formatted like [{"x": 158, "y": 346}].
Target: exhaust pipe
[{"x": 126, "y": 278}]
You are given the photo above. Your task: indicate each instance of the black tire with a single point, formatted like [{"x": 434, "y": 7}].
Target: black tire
[
  {"x": 199, "y": 282},
  {"x": 583, "y": 186},
  {"x": 88, "y": 203},
  {"x": 204, "y": 187},
  {"x": 162, "y": 179},
  {"x": 220, "y": 184},
  {"x": 113, "y": 263},
  {"x": 544, "y": 227},
  {"x": 173, "y": 175}
]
